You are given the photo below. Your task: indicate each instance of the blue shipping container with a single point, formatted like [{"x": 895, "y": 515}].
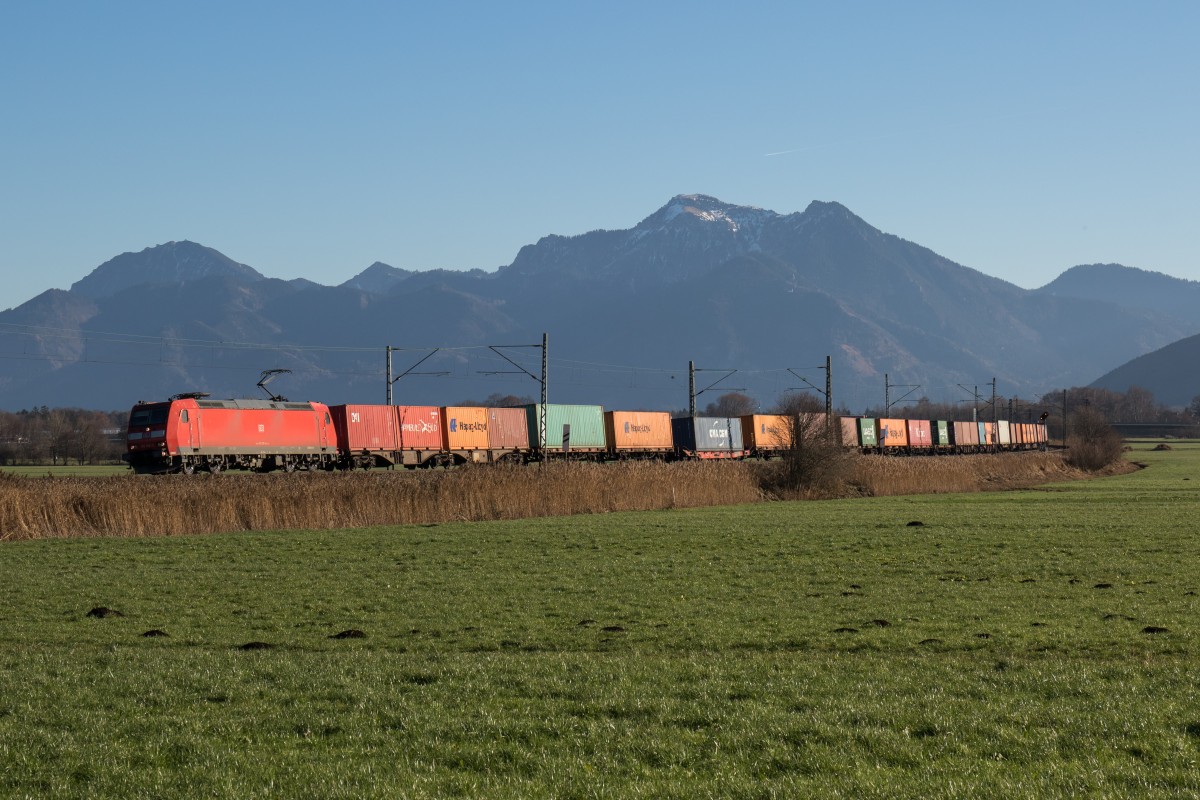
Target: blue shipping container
[{"x": 708, "y": 434}]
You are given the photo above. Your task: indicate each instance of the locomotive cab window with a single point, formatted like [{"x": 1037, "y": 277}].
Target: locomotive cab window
[{"x": 183, "y": 416}]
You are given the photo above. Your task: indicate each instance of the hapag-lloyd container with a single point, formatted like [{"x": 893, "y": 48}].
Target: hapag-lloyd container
[
  {"x": 465, "y": 428},
  {"x": 713, "y": 435},
  {"x": 766, "y": 432},
  {"x": 362, "y": 428},
  {"x": 637, "y": 430},
  {"x": 587, "y": 426},
  {"x": 420, "y": 427},
  {"x": 508, "y": 429}
]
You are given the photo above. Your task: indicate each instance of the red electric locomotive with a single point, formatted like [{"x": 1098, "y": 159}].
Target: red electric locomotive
[{"x": 189, "y": 432}]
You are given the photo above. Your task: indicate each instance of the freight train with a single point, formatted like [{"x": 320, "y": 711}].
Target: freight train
[{"x": 190, "y": 432}]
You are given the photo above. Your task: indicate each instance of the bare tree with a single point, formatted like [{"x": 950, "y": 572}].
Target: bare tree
[
  {"x": 815, "y": 462},
  {"x": 733, "y": 404}
]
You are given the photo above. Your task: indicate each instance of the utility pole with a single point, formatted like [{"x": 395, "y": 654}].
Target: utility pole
[
  {"x": 994, "y": 400},
  {"x": 545, "y": 390},
  {"x": 1064, "y": 420},
  {"x": 828, "y": 390},
  {"x": 691, "y": 388},
  {"x": 389, "y": 374}
]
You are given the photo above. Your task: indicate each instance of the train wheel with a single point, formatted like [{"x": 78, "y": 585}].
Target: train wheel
[
  {"x": 289, "y": 466},
  {"x": 187, "y": 468},
  {"x": 214, "y": 467}
]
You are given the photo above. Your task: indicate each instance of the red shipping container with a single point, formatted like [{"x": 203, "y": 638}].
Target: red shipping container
[
  {"x": 365, "y": 428},
  {"x": 508, "y": 429},
  {"x": 420, "y": 427},
  {"x": 920, "y": 434}
]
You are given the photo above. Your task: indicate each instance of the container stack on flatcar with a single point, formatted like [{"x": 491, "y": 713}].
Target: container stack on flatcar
[{"x": 189, "y": 432}]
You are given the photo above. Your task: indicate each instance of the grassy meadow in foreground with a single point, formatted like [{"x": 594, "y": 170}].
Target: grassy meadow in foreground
[{"x": 1019, "y": 644}]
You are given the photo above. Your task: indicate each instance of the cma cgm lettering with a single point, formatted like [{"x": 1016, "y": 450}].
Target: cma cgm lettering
[
  {"x": 718, "y": 433},
  {"x": 469, "y": 427}
]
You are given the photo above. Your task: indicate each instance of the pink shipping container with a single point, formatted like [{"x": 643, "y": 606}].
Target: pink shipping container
[
  {"x": 966, "y": 434},
  {"x": 420, "y": 427},
  {"x": 893, "y": 433},
  {"x": 849, "y": 431},
  {"x": 365, "y": 428},
  {"x": 508, "y": 429},
  {"x": 920, "y": 433},
  {"x": 989, "y": 431}
]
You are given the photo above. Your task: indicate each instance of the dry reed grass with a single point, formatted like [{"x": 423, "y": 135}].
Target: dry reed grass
[
  {"x": 37, "y": 508},
  {"x": 885, "y": 476}
]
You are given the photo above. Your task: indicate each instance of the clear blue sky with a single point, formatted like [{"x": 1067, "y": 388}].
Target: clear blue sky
[{"x": 312, "y": 139}]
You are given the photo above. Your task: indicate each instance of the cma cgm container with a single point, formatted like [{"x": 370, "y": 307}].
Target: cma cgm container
[
  {"x": 893, "y": 433},
  {"x": 708, "y": 437},
  {"x": 638, "y": 431},
  {"x": 766, "y": 432},
  {"x": 920, "y": 433},
  {"x": 587, "y": 426},
  {"x": 465, "y": 432},
  {"x": 508, "y": 431}
]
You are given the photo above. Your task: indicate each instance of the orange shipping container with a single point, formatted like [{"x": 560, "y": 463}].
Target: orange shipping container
[
  {"x": 766, "y": 432},
  {"x": 466, "y": 428},
  {"x": 893, "y": 433},
  {"x": 638, "y": 430}
]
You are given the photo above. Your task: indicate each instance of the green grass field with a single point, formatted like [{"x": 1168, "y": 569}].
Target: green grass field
[
  {"x": 1021, "y": 644},
  {"x": 84, "y": 470}
]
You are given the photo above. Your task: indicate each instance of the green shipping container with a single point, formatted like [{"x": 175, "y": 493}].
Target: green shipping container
[
  {"x": 867, "y": 435},
  {"x": 587, "y": 426},
  {"x": 943, "y": 433}
]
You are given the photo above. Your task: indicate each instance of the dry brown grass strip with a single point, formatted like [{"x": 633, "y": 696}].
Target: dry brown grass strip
[{"x": 177, "y": 505}]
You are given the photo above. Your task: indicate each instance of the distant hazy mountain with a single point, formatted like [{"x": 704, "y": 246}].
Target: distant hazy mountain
[
  {"x": 173, "y": 262},
  {"x": 1130, "y": 287},
  {"x": 727, "y": 286},
  {"x": 1169, "y": 373}
]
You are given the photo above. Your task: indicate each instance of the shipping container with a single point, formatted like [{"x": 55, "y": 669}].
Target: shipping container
[
  {"x": 586, "y": 426},
  {"x": 987, "y": 433},
  {"x": 766, "y": 432},
  {"x": 643, "y": 431},
  {"x": 893, "y": 433},
  {"x": 868, "y": 432},
  {"x": 941, "y": 433},
  {"x": 849, "y": 432},
  {"x": 920, "y": 433},
  {"x": 465, "y": 428},
  {"x": 365, "y": 429},
  {"x": 1003, "y": 433},
  {"x": 1042, "y": 438},
  {"x": 966, "y": 434},
  {"x": 711, "y": 436},
  {"x": 420, "y": 427},
  {"x": 508, "y": 429},
  {"x": 983, "y": 437}
]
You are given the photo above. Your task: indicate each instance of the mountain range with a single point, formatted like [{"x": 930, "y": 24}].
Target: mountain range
[{"x": 755, "y": 298}]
